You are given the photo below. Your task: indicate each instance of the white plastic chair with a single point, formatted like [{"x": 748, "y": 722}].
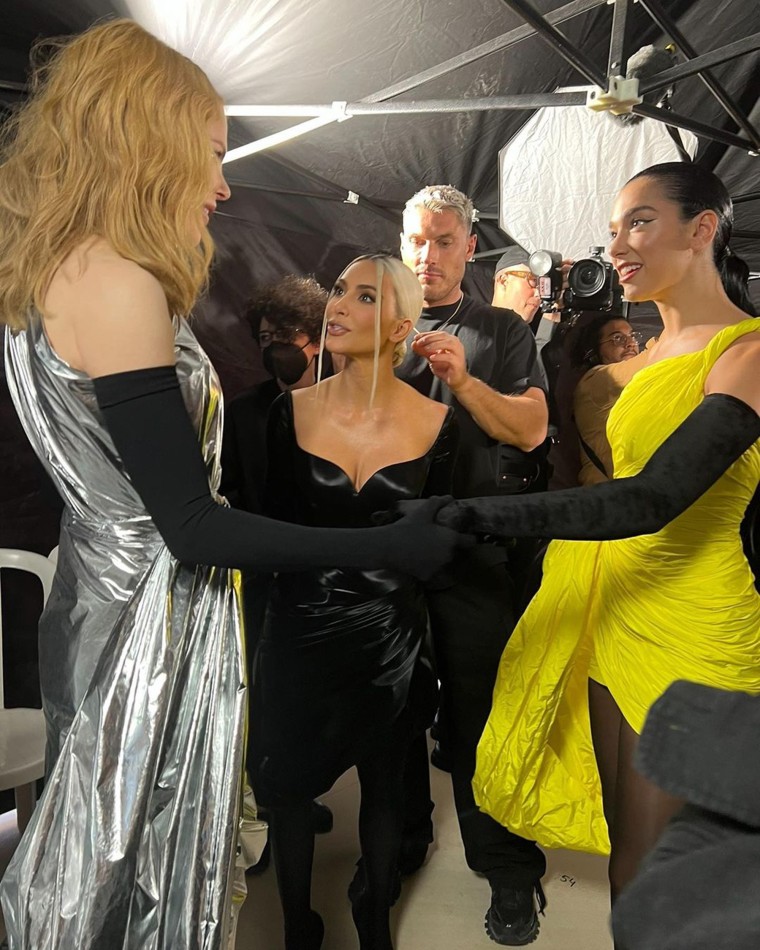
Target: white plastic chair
[{"x": 22, "y": 731}]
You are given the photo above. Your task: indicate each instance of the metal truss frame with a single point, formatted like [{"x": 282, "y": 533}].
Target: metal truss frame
[{"x": 546, "y": 27}]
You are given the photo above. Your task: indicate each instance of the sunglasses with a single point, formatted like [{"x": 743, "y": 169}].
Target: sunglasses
[{"x": 523, "y": 275}]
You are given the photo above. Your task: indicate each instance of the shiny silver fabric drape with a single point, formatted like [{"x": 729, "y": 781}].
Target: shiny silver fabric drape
[{"x": 132, "y": 843}]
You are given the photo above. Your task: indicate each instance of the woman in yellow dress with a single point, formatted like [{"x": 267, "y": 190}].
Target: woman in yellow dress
[{"x": 651, "y": 584}]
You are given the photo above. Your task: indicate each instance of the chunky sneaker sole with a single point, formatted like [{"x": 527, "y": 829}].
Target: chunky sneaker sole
[
  {"x": 522, "y": 929},
  {"x": 506, "y": 936}
]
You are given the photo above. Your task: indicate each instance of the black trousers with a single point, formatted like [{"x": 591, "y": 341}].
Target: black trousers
[{"x": 471, "y": 618}]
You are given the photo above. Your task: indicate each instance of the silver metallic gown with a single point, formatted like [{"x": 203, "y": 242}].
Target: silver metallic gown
[{"x": 132, "y": 843}]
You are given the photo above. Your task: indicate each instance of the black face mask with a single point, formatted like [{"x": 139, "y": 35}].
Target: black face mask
[{"x": 286, "y": 361}]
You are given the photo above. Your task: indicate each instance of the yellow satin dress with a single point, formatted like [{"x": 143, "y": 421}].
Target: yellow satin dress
[{"x": 634, "y": 614}]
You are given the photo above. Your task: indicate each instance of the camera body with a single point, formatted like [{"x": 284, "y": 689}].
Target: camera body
[{"x": 593, "y": 284}]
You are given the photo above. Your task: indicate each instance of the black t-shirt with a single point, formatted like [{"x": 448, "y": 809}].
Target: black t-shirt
[{"x": 501, "y": 352}]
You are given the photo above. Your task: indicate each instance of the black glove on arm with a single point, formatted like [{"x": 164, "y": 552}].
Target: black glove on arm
[
  {"x": 688, "y": 462},
  {"x": 151, "y": 430}
]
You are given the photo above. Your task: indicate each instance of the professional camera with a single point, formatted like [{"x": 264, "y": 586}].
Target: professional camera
[
  {"x": 547, "y": 266},
  {"x": 593, "y": 284}
]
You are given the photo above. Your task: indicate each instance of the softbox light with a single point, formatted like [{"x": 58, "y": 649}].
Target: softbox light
[{"x": 560, "y": 173}]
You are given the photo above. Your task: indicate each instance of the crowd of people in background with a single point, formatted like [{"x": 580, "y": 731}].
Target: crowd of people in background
[{"x": 384, "y": 492}]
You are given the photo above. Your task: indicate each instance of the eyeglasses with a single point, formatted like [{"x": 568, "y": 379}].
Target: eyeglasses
[
  {"x": 523, "y": 275},
  {"x": 279, "y": 336},
  {"x": 623, "y": 339}
]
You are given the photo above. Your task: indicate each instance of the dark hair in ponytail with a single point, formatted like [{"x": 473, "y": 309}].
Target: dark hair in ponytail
[
  {"x": 695, "y": 189},
  {"x": 734, "y": 272}
]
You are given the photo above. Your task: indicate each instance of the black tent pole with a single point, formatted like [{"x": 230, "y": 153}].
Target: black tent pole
[
  {"x": 618, "y": 57},
  {"x": 692, "y": 125},
  {"x": 668, "y": 27},
  {"x": 558, "y": 41},
  {"x": 699, "y": 64},
  {"x": 577, "y": 59}
]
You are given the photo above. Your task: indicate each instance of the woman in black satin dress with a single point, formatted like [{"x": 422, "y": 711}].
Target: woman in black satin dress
[{"x": 337, "y": 682}]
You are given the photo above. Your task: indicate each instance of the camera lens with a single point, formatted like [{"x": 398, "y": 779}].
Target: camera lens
[{"x": 586, "y": 278}]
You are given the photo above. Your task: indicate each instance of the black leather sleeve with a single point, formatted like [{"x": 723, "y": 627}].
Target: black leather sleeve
[
  {"x": 688, "y": 462},
  {"x": 151, "y": 430}
]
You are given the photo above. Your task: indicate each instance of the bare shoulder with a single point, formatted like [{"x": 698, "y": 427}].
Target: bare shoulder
[
  {"x": 311, "y": 398},
  {"x": 309, "y": 405},
  {"x": 302, "y": 398},
  {"x": 106, "y": 314},
  {"x": 737, "y": 371},
  {"x": 429, "y": 412},
  {"x": 94, "y": 278}
]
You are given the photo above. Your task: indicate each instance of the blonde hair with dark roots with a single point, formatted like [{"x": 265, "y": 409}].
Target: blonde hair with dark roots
[
  {"x": 409, "y": 300},
  {"x": 112, "y": 144},
  {"x": 438, "y": 198}
]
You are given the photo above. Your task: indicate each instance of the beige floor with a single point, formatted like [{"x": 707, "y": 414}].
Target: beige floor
[{"x": 441, "y": 907}]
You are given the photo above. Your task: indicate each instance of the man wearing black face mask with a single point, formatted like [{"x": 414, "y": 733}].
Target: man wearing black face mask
[{"x": 286, "y": 321}]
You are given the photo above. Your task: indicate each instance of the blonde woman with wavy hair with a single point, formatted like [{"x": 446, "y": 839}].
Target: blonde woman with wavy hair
[
  {"x": 91, "y": 157},
  {"x": 108, "y": 177},
  {"x": 338, "y": 660}
]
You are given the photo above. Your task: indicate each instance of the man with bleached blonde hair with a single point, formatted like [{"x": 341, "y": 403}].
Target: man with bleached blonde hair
[{"x": 482, "y": 361}]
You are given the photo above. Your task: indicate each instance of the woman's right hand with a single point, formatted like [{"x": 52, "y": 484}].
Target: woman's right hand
[{"x": 423, "y": 547}]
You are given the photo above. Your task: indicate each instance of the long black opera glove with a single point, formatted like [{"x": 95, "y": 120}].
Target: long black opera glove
[
  {"x": 688, "y": 462},
  {"x": 151, "y": 430}
]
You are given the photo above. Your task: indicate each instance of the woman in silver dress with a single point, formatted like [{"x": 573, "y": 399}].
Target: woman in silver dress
[{"x": 107, "y": 183}]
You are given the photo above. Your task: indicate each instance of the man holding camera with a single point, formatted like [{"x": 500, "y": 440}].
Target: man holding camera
[
  {"x": 515, "y": 287},
  {"x": 481, "y": 361}
]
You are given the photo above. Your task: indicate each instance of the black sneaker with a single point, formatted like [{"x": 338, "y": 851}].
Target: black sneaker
[{"x": 512, "y": 918}]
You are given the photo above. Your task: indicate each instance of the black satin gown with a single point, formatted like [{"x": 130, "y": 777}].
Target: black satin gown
[{"x": 336, "y": 671}]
